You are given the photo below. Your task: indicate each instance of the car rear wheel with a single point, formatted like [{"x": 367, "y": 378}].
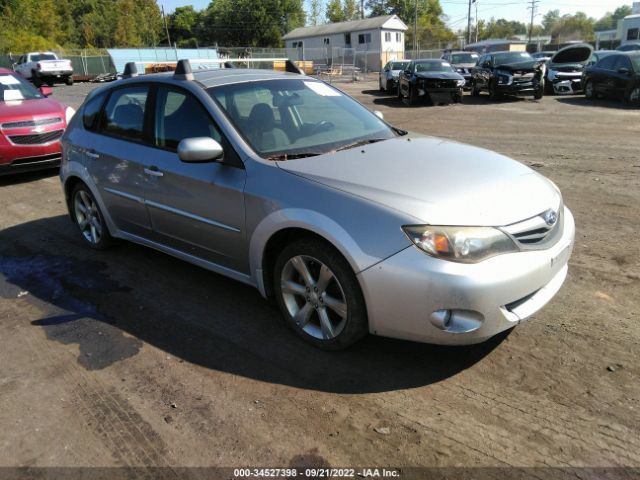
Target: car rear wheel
[
  {"x": 412, "y": 97},
  {"x": 539, "y": 93},
  {"x": 35, "y": 80},
  {"x": 69, "y": 80},
  {"x": 89, "y": 219},
  {"x": 588, "y": 90},
  {"x": 319, "y": 295}
]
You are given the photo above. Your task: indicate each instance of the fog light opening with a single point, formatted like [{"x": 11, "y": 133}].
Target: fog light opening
[{"x": 456, "y": 321}]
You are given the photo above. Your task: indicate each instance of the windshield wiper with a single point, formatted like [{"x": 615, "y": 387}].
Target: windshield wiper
[
  {"x": 292, "y": 156},
  {"x": 360, "y": 143}
]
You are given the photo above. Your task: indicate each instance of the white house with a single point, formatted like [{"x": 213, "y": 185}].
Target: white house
[{"x": 366, "y": 43}]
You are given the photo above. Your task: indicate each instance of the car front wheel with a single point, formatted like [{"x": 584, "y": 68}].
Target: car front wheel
[
  {"x": 89, "y": 218},
  {"x": 588, "y": 90},
  {"x": 319, "y": 295},
  {"x": 634, "y": 96}
]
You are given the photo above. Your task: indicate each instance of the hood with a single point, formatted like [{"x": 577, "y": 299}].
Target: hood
[
  {"x": 23, "y": 109},
  {"x": 575, "y": 54},
  {"x": 529, "y": 65},
  {"x": 434, "y": 181},
  {"x": 439, "y": 75}
]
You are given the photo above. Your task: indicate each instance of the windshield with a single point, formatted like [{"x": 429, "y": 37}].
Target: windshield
[
  {"x": 511, "y": 57},
  {"x": 15, "y": 88},
  {"x": 398, "y": 65},
  {"x": 43, "y": 56},
  {"x": 297, "y": 117},
  {"x": 433, "y": 66},
  {"x": 464, "y": 58}
]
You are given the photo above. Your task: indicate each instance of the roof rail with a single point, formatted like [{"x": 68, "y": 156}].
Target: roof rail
[
  {"x": 183, "y": 68},
  {"x": 130, "y": 70}
]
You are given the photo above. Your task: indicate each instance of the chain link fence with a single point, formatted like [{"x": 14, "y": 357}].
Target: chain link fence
[{"x": 87, "y": 64}]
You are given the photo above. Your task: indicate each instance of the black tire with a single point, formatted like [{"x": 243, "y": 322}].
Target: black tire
[
  {"x": 539, "y": 93},
  {"x": 105, "y": 240},
  {"x": 633, "y": 97},
  {"x": 317, "y": 252},
  {"x": 399, "y": 91},
  {"x": 50, "y": 83},
  {"x": 412, "y": 97},
  {"x": 390, "y": 86},
  {"x": 548, "y": 87},
  {"x": 494, "y": 94},
  {"x": 475, "y": 91},
  {"x": 35, "y": 79},
  {"x": 69, "y": 80},
  {"x": 588, "y": 90},
  {"x": 380, "y": 85}
]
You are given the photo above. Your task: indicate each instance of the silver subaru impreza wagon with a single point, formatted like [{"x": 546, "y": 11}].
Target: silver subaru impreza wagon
[{"x": 350, "y": 225}]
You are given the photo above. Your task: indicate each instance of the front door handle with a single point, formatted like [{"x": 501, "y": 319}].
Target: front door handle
[
  {"x": 153, "y": 171},
  {"x": 93, "y": 154}
]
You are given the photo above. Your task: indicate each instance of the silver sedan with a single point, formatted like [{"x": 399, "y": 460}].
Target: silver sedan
[{"x": 350, "y": 225}]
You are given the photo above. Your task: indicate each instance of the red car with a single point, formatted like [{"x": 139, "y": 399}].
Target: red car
[{"x": 30, "y": 125}]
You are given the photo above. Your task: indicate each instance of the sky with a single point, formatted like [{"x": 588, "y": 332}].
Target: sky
[{"x": 456, "y": 10}]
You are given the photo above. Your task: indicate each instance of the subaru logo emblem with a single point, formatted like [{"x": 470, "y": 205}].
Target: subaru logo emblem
[{"x": 550, "y": 217}]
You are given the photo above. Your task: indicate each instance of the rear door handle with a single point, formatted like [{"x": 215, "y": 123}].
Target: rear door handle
[
  {"x": 93, "y": 154},
  {"x": 153, "y": 171}
]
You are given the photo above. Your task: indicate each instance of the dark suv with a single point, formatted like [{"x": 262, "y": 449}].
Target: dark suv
[{"x": 508, "y": 73}]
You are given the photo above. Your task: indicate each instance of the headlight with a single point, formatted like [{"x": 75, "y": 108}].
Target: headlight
[
  {"x": 460, "y": 244},
  {"x": 69, "y": 113},
  {"x": 461, "y": 83}
]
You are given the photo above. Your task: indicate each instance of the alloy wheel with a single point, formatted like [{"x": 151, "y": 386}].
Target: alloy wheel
[
  {"x": 634, "y": 96},
  {"x": 87, "y": 217},
  {"x": 313, "y": 297}
]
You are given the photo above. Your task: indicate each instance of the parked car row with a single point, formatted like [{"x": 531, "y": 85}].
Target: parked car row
[{"x": 573, "y": 69}]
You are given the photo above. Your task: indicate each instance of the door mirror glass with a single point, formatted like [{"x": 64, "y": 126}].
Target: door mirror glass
[
  {"x": 199, "y": 150},
  {"x": 46, "y": 91}
]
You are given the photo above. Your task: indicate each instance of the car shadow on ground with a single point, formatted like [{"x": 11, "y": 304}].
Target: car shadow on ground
[
  {"x": 582, "y": 101},
  {"x": 93, "y": 298},
  {"x": 26, "y": 177},
  {"x": 392, "y": 101}
]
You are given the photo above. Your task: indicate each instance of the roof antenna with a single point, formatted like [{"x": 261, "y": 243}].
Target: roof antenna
[
  {"x": 183, "y": 71},
  {"x": 130, "y": 70}
]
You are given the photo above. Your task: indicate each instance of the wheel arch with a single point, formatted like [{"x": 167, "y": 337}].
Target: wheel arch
[{"x": 275, "y": 232}]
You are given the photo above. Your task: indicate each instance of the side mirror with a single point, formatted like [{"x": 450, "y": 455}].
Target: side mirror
[
  {"x": 379, "y": 114},
  {"x": 46, "y": 91},
  {"x": 199, "y": 150},
  {"x": 486, "y": 65},
  {"x": 624, "y": 71}
]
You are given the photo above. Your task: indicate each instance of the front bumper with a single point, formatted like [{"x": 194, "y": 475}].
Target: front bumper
[
  {"x": 486, "y": 298},
  {"x": 18, "y": 159},
  {"x": 521, "y": 89},
  {"x": 566, "y": 83}
]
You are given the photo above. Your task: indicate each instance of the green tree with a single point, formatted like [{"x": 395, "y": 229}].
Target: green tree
[
  {"x": 610, "y": 20},
  {"x": 351, "y": 10},
  {"x": 573, "y": 27},
  {"x": 315, "y": 12},
  {"x": 334, "y": 12},
  {"x": 550, "y": 20},
  {"x": 183, "y": 26}
]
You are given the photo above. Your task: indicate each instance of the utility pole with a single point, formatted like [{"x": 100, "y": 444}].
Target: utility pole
[
  {"x": 166, "y": 28},
  {"x": 533, "y": 5},
  {"x": 469, "y": 23},
  {"x": 476, "y": 2},
  {"x": 361, "y": 8},
  {"x": 415, "y": 32}
]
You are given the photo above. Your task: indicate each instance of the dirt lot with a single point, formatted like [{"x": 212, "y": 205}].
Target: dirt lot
[{"x": 132, "y": 358}]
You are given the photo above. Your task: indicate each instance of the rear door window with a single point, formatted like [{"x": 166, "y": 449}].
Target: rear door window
[
  {"x": 91, "y": 112},
  {"x": 607, "y": 63},
  {"x": 179, "y": 115},
  {"x": 124, "y": 113}
]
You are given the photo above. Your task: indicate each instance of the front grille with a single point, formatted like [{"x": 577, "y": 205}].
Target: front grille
[
  {"x": 36, "y": 138},
  {"x": 440, "y": 83},
  {"x": 535, "y": 231},
  {"x": 31, "y": 123}
]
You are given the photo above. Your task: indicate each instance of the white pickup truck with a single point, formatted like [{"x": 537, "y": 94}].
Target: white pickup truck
[{"x": 44, "y": 67}]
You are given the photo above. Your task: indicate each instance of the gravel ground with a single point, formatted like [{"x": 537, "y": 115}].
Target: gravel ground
[{"x": 132, "y": 358}]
